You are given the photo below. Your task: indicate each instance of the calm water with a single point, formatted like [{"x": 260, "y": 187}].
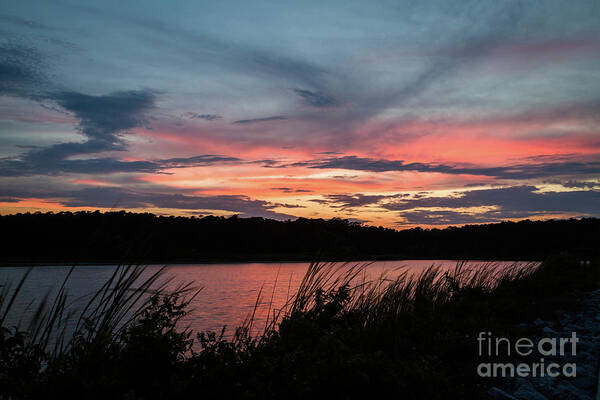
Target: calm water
[{"x": 229, "y": 290}]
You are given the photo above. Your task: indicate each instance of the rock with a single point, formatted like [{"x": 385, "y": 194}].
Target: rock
[
  {"x": 586, "y": 378},
  {"x": 549, "y": 331},
  {"x": 585, "y": 370},
  {"x": 585, "y": 322},
  {"x": 587, "y": 383},
  {"x": 527, "y": 391},
  {"x": 539, "y": 322},
  {"x": 498, "y": 394},
  {"x": 586, "y": 355},
  {"x": 567, "y": 391},
  {"x": 545, "y": 385}
]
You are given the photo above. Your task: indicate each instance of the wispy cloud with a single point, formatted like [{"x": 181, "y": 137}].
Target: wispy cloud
[
  {"x": 472, "y": 206},
  {"x": 22, "y": 70},
  {"x": 525, "y": 200},
  {"x": 101, "y": 120},
  {"x": 518, "y": 171},
  {"x": 116, "y": 197},
  {"x": 28, "y": 23},
  {"x": 291, "y": 190},
  {"x": 33, "y": 164},
  {"x": 436, "y": 217},
  {"x": 207, "y": 117},
  {"x": 316, "y": 99},
  {"x": 354, "y": 200},
  {"x": 257, "y": 120},
  {"x": 196, "y": 161}
]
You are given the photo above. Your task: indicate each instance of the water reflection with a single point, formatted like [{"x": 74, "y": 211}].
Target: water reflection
[{"x": 229, "y": 291}]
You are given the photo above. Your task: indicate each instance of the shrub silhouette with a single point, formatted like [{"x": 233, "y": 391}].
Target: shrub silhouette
[{"x": 337, "y": 336}]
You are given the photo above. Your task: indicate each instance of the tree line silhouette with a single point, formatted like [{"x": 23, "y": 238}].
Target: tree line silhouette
[{"x": 125, "y": 237}]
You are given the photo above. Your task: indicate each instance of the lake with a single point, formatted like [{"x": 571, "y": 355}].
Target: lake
[{"x": 229, "y": 290}]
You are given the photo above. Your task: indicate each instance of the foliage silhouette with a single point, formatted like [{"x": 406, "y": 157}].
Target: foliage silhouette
[
  {"x": 120, "y": 237},
  {"x": 337, "y": 336}
]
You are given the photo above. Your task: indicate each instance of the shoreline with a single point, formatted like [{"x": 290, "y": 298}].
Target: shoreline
[
  {"x": 249, "y": 261},
  {"x": 584, "y": 320}
]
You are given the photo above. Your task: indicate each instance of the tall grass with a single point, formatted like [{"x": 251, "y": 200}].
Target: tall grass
[
  {"x": 121, "y": 300},
  {"x": 340, "y": 334},
  {"x": 396, "y": 291}
]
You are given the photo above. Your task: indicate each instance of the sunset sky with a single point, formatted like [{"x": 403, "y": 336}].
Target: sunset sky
[{"x": 393, "y": 113}]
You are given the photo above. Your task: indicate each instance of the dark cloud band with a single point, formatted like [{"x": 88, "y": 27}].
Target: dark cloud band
[
  {"x": 257, "y": 120},
  {"x": 519, "y": 171}
]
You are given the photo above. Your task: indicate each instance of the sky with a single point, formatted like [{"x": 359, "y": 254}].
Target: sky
[{"x": 391, "y": 113}]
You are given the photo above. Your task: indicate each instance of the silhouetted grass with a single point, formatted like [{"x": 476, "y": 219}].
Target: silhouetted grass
[{"x": 339, "y": 335}]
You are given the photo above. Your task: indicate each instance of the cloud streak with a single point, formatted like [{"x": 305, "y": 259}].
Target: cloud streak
[
  {"x": 115, "y": 197},
  {"x": 518, "y": 171},
  {"x": 316, "y": 99},
  {"x": 258, "y": 120},
  {"x": 206, "y": 117},
  {"x": 473, "y": 206},
  {"x": 516, "y": 198},
  {"x": 35, "y": 165},
  {"x": 22, "y": 71}
]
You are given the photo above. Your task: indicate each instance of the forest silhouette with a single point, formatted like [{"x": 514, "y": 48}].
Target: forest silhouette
[{"x": 125, "y": 237}]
